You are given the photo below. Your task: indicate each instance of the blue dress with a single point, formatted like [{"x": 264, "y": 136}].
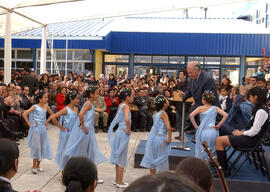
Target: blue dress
[
  {"x": 156, "y": 150},
  {"x": 67, "y": 121},
  {"x": 38, "y": 139},
  {"x": 119, "y": 142},
  {"x": 207, "y": 133},
  {"x": 80, "y": 144}
]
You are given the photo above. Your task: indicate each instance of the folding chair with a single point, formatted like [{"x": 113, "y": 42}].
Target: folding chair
[{"x": 256, "y": 154}]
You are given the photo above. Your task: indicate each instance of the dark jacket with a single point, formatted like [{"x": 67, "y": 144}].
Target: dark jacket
[
  {"x": 196, "y": 88},
  {"x": 25, "y": 103},
  {"x": 5, "y": 186},
  {"x": 143, "y": 103},
  {"x": 112, "y": 82}
]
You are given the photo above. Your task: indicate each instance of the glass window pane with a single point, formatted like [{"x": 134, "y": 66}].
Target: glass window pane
[
  {"x": 231, "y": 60},
  {"x": 251, "y": 71},
  {"x": 176, "y": 60},
  {"x": 109, "y": 69},
  {"x": 212, "y": 60},
  {"x": 116, "y": 58},
  {"x": 140, "y": 70},
  {"x": 61, "y": 55},
  {"x": 82, "y": 55},
  {"x": 170, "y": 72},
  {"x": 24, "y": 54},
  {"x": 27, "y": 65},
  {"x": 233, "y": 74},
  {"x": 142, "y": 59},
  {"x": 254, "y": 61},
  {"x": 160, "y": 59},
  {"x": 198, "y": 59},
  {"x": 121, "y": 69}
]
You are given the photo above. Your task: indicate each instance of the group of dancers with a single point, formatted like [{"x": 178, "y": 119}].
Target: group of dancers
[{"x": 77, "y": 133}]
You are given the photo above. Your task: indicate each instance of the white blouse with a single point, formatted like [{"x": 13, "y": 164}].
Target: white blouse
[{"x": 260, "y": 117}]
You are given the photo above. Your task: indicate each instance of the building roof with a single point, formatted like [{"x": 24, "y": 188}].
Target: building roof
[{"x": 97, "y": 28}]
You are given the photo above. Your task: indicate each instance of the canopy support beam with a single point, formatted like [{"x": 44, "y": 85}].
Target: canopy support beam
[
  {"x": 43, "y": 51},
  {"x": 8, "y": 50}
]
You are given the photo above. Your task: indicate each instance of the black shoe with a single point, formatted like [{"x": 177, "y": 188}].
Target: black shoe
[
  {"x": 177, "y": 137},
  {"x": 23, "y": 134},
  {"x": 17, "y": 143},
  {"x": 17, "y": 139}
]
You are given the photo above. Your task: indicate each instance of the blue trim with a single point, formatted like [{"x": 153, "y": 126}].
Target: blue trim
[
  {"x": 34, "y": 51},
  {"x": 189, "y": 44}
]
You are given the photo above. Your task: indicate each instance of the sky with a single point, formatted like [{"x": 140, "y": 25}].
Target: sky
[{"x": 99, "y": 8}]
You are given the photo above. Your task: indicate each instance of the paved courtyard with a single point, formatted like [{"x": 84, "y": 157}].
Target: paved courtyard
[{"x": 50, "y": 180}]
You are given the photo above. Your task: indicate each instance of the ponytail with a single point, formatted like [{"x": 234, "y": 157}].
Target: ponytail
[{"x": 74, "y": 186}]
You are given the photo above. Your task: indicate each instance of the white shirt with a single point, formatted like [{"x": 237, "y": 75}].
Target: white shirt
[
  {"x": 260, "y": 117},
  {"x": 5, "y": 179}
]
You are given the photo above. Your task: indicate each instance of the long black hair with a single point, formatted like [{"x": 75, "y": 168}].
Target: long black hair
[
  {"x": 39, "y": 96},
  {"x": 159, "y": 102},
  {"x": 123, "y": 94},
  {"x": 78, "y": 174},
  {"x": 261, "y": 98},
  {"x": 90, "y": 90},
  {"x": 70, "y": 96}
]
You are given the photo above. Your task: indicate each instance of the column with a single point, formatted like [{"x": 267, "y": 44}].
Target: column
[
  {"x": 34, "y": 52},
  {"x": 98, "y": 63},
  {"x": 8, "y": 50},
  {"x": 43, "y": 51}
]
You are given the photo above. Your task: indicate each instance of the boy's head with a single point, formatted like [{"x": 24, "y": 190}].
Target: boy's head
[
  {"x": 224, "y": 91},
  {"x": 261, "y": 82}
]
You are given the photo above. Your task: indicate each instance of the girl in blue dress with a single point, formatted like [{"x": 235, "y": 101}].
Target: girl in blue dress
[
  {"x": 38, "y": 139},
  {"x": 157, "y": 148},
  {"x": 68, "y": 117},
  {"x": 82, "y": 140},
  {"x": 119, "y": 142},
  {"x": 207, "y": 131}
]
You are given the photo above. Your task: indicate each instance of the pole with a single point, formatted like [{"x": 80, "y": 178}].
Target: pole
[
  {"x": 43, "y": 51},
  {"x": 8, "y": 50},
  {"x": 66, "y": 55},
  {"x": 182, "y": 142}
]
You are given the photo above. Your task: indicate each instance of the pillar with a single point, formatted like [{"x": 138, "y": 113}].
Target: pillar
[
  {"x": 43, "y": 52},
  {"x": 131, "y": 66},
  {"x": 8, "y": 50},
  {"x": 98, "y": 63},
  {"x": 242, "y": 69}
]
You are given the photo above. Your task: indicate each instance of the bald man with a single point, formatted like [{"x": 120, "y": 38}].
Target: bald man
[{"x": 198, "y": 82}]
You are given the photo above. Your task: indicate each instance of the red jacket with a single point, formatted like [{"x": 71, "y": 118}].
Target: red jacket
[
  {"x": 60, "y": 98},
  {"x": 109, "y": 103}
]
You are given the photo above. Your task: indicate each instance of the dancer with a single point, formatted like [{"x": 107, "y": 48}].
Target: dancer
[
  {"x": 157, "y": 148},
  {"x": 119, "y": 143},
  {"x": 38, "y": 139},
  {"x": 82, "y": 140},
  {"x": 68, "y": 117},
  {"x": 207, "y": 131}
]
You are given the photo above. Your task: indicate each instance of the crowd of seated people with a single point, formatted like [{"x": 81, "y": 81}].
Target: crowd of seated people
[{"x": 19, "y": 96}]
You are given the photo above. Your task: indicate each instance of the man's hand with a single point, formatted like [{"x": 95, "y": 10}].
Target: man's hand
[{"x": 181, "y": 93}]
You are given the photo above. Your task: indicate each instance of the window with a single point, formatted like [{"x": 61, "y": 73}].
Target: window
[
  {"x": 253, "y": 61},
  {"x": 109, "y": 58},
  {"x": 82, "y": 55},
  {"x": 61, "y": 55},
  {"x": 24, "y": 54},
  {"x": 200, "y": 60},
  {"x": 176, "y": 60},
  {"x": 142, "y": 59},
  {"x": 212, "y": 60},
  {"x": 160, "y": 59},
  {"x": 230, "y": 60}
]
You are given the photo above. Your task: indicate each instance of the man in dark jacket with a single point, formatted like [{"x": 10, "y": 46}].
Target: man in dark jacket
[
  {"x": 26, "y": 102},
  {"x": 198, "y": 82},
  {"x": 145, "y": 115}
]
